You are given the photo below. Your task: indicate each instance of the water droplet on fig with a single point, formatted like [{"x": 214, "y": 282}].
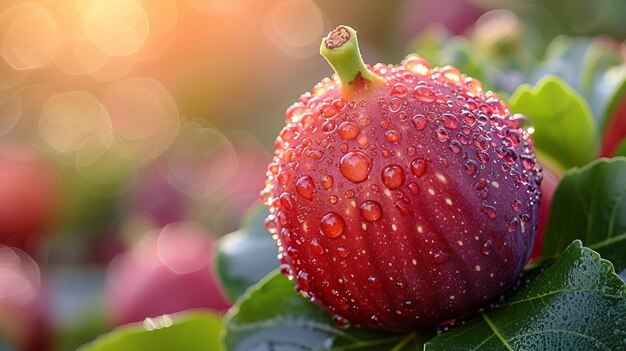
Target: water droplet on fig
[
  {"x": 414, "y": 188},
  {"x": 343, "y": 252},
  {"x": 302, "y": 279},
  {"x": 355, "y": 166},
  {"x": 316, "y": 248},
  {"x": 440, "y": 257},
  {"x": 442, "y": 135},
  {"x": 340, "y": 322},
  {"x": 419, "y": 121},
  {"x": 399, "y": 90},
  {"x": 418, "y": 167},
  {"x": 487, "y": 248},
  {"x": 286, "y": 201},
  {"x": 449, "y": 121},
  {"x": 328, "y": 111},
  {"x": 348, "y": 130},
  {"x": 327, "y": 181},
  {"x": 371, "y": 211},
  {"x": 470, "y": 167},
  {"x": 392, "y": 176},
  {"x": 424, "y": 93},
  {"x": 512, "y": 226},
  {"x": 374, "y": 282},
  {"x": 489, "y": 211},
  {"x": 305, "y": 187},
  {"x": 455, "y": 146},
  {"x": 392, "y": 136},
  {"x": 332, "y": 225}
]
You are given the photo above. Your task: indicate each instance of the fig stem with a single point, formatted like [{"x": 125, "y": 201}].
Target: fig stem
[{"x": 341, "y": 49}]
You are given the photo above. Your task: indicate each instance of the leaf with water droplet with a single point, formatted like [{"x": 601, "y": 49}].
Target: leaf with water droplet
[
  {"x": 272, "y": 316},
  {"x": 180, "y": 331},
  {"x": 246, "y": 255},
  {"x": 590, "y": 205},
  {"x": 563, "y": 123},
  {"x": 578, "y": 303}
]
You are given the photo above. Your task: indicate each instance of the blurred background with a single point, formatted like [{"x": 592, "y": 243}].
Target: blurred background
[{"x": 133, "y": 134}]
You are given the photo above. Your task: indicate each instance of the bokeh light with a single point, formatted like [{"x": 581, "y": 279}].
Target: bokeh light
[
  {"x": 201, "y": 161},
  {"x": 10, "y": 111},
  {"x": 295, "y": 27},
  {"x": 117, "y": 27},
  {"x": 30, "y": 36},
  {"x": 142, "y": 112},
  {"x": 68, "y": 119},
  {"x": 215, "y": 6}
]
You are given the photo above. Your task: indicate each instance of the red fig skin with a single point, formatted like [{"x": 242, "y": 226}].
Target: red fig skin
[{"x": 401, "y": 203}]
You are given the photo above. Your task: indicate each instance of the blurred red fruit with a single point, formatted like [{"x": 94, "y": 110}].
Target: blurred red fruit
[
  {"x": 29, "y": 195},
  {"x": 166, "y": 272},
  {"x": 548, "y": 186}
]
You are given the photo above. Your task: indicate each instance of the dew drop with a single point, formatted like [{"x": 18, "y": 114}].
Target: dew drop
[
  {"x": 316, "y": 248},
  {"x": 302, "y": 279},
  {"x": 424, "y": 93},
  {"x": 440, "y": 257},
  {"x": 455, "y": 146},
  {"x": 393, "y": 136},
  {"x": 414, "y": 188},
  {"x": 399, "y": 90},
  {"x": 449, "y": 121},
  {"x": 470, "y": 167},
  {"x": 418, "y": 167},
  {"x": 348, "y": 130},
  {"x": 395, "y": 104},
  {"x": 468, "y": 118},
  {"x": 392, "y": 176},
  {"x": 419, "y": 121},
  {"x": 487, "y": 248},
  {"x": 286, "y": 201},
  {"x": 483, "y": 157},
  {"x": 340, "y": 322},
  {"x": 355, "y": 166},
  {"x": 305, "y": 187},
  {"x": 489, "y": 211},
  {"x": 333, "y": 199},
  {"x": 327, "y": 181},
  {"x": 374, "y": 282},
  {"x": 371, "y": 210},
  {"x": 442, "y": 135},
  {"x": 512, "y": 226},
  {"x": 328, "y": 111},
  {"x": 328, "y": 127},
  {"x": 343, "y": 252},
  {"x": 332, "y": 225},
  {"x": 517, "y": 206}
]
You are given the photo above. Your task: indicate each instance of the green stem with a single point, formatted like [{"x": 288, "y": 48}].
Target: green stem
[{"x": 341, "y": 49}]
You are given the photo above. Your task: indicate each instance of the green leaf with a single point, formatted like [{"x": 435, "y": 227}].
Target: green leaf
[
  {"x": 590, "y": 205},
  {"x": 564, "y": 128},
  {"x": 246, "y": 255},
  {"x": 190, "y": 331},
  {"x": 272, "y": 316},
  {"x": 578, "y": 303}
]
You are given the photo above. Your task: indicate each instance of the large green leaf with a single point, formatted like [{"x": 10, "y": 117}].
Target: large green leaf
[
  {"x": 272, "y": 316},
  {"x": 578, "y": 303},
  {"x": 564, "y": 128},
  {"x": 246, "y": 255},
  {"x": 590, "y": 205},
  {"x": 191, "y": 331}
]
